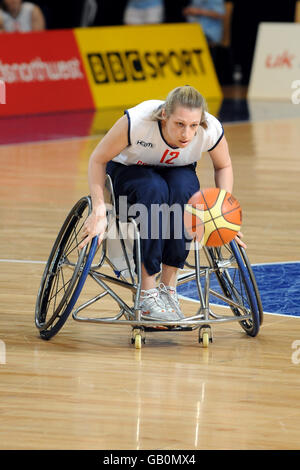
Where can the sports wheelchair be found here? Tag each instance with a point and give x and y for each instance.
(225, 279)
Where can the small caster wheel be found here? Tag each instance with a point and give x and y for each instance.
(205, 340)
(138, 338)
(138, 341)
(205, 336)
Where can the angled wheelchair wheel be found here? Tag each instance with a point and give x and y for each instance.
(65, 272)
(237, 281)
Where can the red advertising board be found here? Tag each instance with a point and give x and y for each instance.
(42, 73)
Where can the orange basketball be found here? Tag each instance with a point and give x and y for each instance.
(213, 216)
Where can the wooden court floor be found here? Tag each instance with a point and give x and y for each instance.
(88, 388)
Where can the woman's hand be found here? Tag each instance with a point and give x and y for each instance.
(238, 237)
(93, 226)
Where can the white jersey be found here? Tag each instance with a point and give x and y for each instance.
(147, 145)
(23, 22)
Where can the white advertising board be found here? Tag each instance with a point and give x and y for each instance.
(275, 70)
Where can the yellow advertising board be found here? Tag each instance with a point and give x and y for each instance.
(129, 64)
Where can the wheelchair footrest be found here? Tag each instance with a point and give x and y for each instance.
(167, 328)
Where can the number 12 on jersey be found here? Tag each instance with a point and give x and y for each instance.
(169, 154)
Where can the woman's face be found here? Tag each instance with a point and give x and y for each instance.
(180, 127)
(13, 6)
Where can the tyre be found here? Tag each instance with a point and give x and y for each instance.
(65, 272)
(237, 282)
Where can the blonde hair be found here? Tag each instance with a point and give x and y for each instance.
(185, 96)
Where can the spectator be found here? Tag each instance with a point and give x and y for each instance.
(144, 12)
(210, 14)
(18, 16)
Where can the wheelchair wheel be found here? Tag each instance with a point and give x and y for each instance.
(237, 281)
(65, 272)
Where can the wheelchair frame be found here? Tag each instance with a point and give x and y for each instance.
(239, 290)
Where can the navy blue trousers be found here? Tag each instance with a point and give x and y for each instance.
(150, 192)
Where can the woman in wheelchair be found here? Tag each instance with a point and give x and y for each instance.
(151, 154)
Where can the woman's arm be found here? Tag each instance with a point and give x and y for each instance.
(222, 165)
(38, 20)
(195, 11)
(1, 22)
(224, 173)
(109, 147)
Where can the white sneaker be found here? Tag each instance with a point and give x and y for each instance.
(170, 299)
(153, 308)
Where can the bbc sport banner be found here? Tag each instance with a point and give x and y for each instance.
(275, 71)
(128, 64)
(101, 68)
(42, 73)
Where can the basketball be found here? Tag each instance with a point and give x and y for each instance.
(213, 216)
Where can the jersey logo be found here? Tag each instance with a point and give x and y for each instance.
(145, 144)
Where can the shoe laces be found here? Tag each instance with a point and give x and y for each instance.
(171, 294)
(152, 295)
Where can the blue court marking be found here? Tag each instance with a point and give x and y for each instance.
(278, 283)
